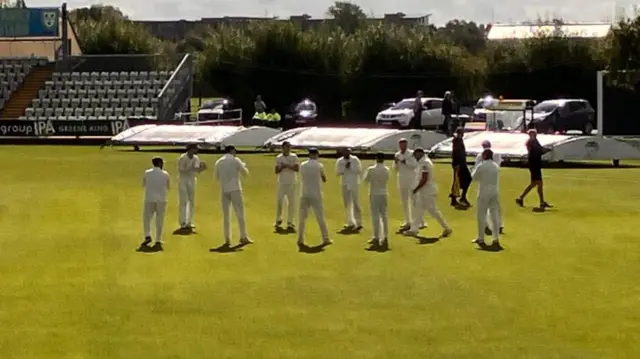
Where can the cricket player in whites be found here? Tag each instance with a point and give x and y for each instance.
(156, 183)
(405, 165)
(377, 176)
(312, 177)
(349, 168)
(487, 175)
(424, 196)
(486, 145)
(228, 170)
(286, 169)
(189, 166)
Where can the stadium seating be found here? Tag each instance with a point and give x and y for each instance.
(13, 72)
(98, 96)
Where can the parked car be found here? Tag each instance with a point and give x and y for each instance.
(219, 112)
(501, 114)
(562, 115)
(401, 113)
(303, 113)
(483, 107)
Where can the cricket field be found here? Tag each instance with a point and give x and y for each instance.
(567, 285)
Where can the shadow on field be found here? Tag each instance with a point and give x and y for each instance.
(461, 207)
(493, 248)
(226, 248)
(377, 248)
(284, 231)
(348, 231)
(427, 240)
(311, 249)
(543, 210)
(184, 232)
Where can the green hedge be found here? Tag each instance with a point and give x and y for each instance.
(372, 64)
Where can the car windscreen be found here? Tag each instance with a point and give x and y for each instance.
(403, 105)
(545, 107)
(306, 106)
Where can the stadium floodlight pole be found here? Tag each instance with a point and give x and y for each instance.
(599, 102)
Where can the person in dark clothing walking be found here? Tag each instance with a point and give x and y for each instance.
(448, 109)
(535, 152)
(416, 121)
(461, 174)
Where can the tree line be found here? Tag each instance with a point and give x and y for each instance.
(350, 66)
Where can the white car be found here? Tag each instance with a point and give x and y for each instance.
(498, 113)
(401, 113)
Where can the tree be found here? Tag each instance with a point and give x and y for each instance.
(468, 35)
(115, 36)
(96, 13)
(348, 16)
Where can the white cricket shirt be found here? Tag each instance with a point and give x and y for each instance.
(156, 184)
(487, 175)
(188, 167)
(378, 177)
(407, 170)
(350, 176)
(287, 176)
(311, 172)
(496, 158)
(426, 166)
(229, 169)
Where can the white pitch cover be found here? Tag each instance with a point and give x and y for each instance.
(182, 134)
(507, 144)
(179, 134)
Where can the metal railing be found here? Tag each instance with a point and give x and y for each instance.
(175, 94)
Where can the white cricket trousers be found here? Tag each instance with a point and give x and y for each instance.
(186, 201)
(406, 199)
(491, 203)
(379, 216)
(351, 201)
(150, 210)
(315, 204)
(426, 203)
(233, 198)
(285, 191)
(500, 222)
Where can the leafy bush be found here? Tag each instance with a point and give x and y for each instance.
(349, 60)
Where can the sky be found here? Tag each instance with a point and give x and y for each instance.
(483, 11)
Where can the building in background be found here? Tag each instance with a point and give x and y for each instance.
(519, 32)
(177, 30)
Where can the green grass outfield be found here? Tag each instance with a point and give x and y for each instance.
(71, 285)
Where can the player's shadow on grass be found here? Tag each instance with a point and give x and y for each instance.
(543, 210)
(284, 231)
(490, 248)
(378, 249)
(226, 248)
(311, 249)
(184, 232)
(461, 207)
(424, 240)
(427, 240)
(348, 231)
